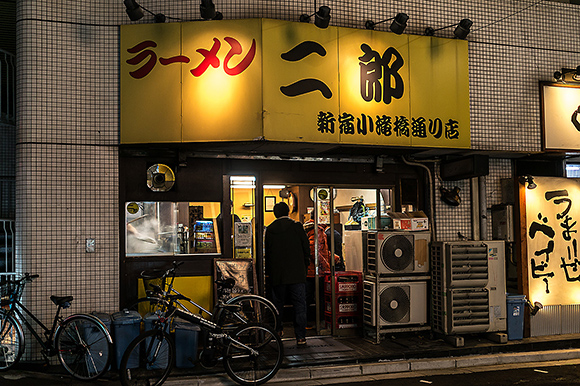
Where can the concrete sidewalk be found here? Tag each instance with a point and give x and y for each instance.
(313, 373)
(326, 359)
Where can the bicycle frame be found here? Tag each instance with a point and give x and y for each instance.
(16, 308)
(213, 328)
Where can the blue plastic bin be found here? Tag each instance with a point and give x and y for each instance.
(89, 334)
(163, 354)
(515, 316)
(186, 337)
(126, 327)
(148, 320)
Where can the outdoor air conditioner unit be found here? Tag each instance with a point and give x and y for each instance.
(393, 304)
(397, 252)
(468, 287)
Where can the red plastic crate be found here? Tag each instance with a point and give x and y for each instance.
(342, 322)
(344, 303)
(345, 282)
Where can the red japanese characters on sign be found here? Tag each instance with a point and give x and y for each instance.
(147, 58)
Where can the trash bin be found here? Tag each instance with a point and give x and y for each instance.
(126, 327)
(186, 337)
(148, 321)
(91, 335)
(515, 316)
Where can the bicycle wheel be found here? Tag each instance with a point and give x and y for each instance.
(148, 359)
(254, 309)
(11, 341)
(146, 305)
(259, 360)
(84, 346)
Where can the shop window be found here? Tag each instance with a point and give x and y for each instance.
(573, 170)
(171, 228)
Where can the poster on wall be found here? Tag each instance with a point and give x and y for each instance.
(552, 213)
(560, 116)
(241, 272)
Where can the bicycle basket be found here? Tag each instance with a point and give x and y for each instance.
(155, 277)
(9, 288)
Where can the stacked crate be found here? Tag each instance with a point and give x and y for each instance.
(348, 300)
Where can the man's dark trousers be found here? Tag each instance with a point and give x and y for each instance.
(297, 294)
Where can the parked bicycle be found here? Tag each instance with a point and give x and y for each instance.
(81, 342)
(252, 308)
(251, 354)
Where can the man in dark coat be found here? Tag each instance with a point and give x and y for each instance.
(287, 255)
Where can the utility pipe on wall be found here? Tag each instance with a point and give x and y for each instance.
(431, 200)
(475, 224)
(482, 208)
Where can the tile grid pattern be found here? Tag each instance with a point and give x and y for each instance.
(67, 188)
(7, 171)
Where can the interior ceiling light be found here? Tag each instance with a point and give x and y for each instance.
(321, 17)
(461, 31)
(397, 26)
(567, 75)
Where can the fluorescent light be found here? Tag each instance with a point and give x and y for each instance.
(274, 186)
(242, 178)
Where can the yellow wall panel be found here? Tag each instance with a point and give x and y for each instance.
(222, 103)
(300, 81)
(439, 88)
(374, 95)
(150, 90)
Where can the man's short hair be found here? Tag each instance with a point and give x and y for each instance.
(281, 209)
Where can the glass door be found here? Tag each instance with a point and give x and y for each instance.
(243, 193)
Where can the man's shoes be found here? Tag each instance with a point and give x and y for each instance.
(301, 342)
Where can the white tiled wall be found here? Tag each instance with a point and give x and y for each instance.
(67, 182)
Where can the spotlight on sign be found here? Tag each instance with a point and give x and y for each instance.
(321, 17)
(397, 26)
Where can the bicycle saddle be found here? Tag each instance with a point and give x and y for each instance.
(61, 300)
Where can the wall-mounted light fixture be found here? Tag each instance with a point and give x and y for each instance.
(321, 17)
(208, 12)
(567, 75)
(450, 197)
(529, 180)
(135, 12)
(534, 307)
(397, 26)
(461, 31)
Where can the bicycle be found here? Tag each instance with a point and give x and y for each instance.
(253, 308)
(252, 354)
(81, 342)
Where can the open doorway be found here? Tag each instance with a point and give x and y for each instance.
(336, 220)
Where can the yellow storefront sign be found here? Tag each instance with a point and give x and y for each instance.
(240, 80)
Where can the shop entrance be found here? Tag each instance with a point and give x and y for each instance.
(336, 220)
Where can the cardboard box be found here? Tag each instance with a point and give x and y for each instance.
(411, 221)
(419, 221)
(400, 220)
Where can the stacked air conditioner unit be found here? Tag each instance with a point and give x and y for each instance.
(468, 287)
(395, 285)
